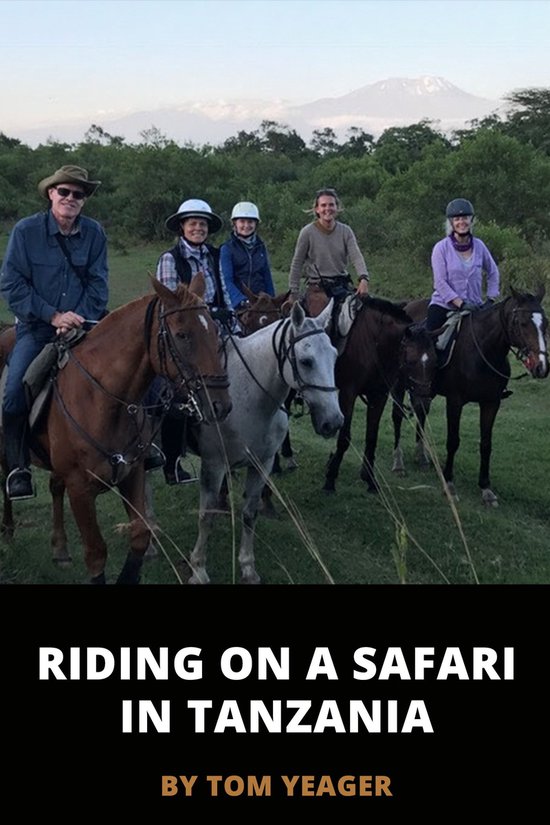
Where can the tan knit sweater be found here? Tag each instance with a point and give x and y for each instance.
(321, 254)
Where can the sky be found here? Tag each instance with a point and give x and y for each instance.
(63, 60)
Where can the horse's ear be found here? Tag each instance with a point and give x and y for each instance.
(279, 300)
(166, 295)
(286, 309)
(248, 292)
(297, 314)
(325, 316)
(198, 285)
(514, 293)
(540, 293)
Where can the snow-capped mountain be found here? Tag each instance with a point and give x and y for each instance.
(374, 108)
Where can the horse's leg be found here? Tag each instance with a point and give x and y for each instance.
(150, 517)
(267, 508)
(375, 408)
(212, 476)
(82, 501)
(487, 415)
(342, 443)
(8, 524)
(421, 409)
(397, 415)
(132, 489)
(252, 493)
(60, 554)
(454, 413)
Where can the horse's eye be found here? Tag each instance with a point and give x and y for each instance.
(306, 363)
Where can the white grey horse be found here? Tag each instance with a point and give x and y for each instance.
(295, 353)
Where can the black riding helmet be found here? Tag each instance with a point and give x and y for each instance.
(459, 207)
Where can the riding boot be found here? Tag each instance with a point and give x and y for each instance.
(172, 435)
(19, 481)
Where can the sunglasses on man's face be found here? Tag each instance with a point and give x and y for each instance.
(64, 193)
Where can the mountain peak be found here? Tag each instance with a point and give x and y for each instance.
(396, 101)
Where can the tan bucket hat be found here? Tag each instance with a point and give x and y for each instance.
(69, 174)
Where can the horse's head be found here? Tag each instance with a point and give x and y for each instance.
(418, 364)
(262, 310)
(188, 349)
(308, 361)
(527, 326)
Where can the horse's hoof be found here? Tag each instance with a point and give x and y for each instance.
(488, 498)
(151, 552)
(63, 563)
(99, 579)
(451, 491)
(329, 488)
(291, 464)
(199, 578)
(251, 578)
(399, 471)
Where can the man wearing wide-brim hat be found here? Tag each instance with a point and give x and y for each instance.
(54, 278)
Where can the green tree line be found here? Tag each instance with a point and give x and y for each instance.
(394, 189)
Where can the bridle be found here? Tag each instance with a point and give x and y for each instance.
(421, 389)
(190, 382)
(285, 350)
(521, 350)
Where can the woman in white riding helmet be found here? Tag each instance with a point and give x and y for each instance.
(193, 222)
(243, 257)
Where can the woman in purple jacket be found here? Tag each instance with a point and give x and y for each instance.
(458, 264)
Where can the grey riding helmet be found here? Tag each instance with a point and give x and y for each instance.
(459, 207)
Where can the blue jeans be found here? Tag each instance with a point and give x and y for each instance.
(29, 343)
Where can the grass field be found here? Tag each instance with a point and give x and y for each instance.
(409, 533)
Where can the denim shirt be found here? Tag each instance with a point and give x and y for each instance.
(37, 280)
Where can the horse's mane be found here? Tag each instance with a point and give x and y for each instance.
(386, 307)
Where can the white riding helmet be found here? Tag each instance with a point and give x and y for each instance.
(193, 208)
(245, 209)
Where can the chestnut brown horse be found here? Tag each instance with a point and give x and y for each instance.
(95, 433)
(479, 370)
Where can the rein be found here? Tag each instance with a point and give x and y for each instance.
(288, 353)
(192, 384)
(514, 349)
(284, 353)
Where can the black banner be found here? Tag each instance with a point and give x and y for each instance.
(367, 700)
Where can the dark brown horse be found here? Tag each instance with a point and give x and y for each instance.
(479, 370)
(95, 433)
(383, 347)
(262, 310)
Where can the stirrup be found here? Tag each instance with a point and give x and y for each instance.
(179, 476)
(154, 458)
(19, 484)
